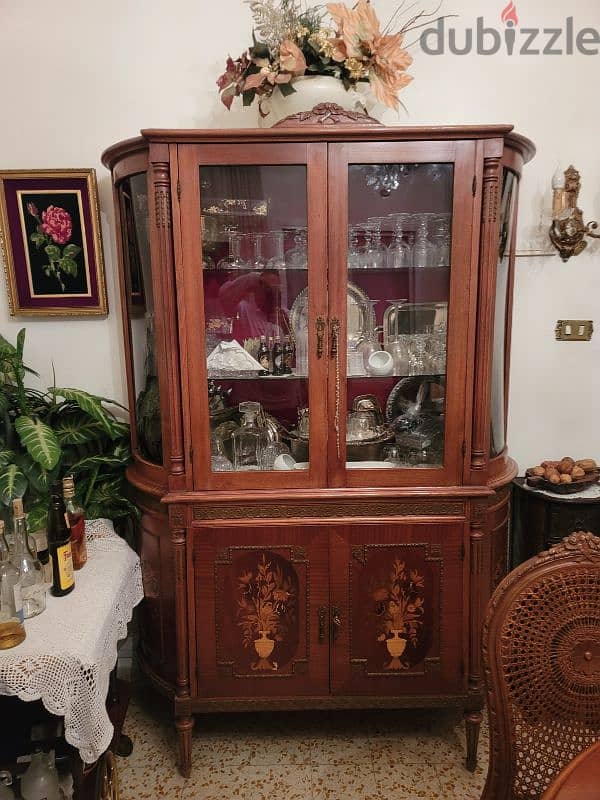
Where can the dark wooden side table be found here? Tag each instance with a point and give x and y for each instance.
(541, 520)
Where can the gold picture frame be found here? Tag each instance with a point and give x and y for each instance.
(51, 243)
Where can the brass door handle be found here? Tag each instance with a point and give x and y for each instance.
(320, 336)
(321, 615)
(336, 622)
(335, 330)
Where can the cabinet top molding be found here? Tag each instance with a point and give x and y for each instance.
(312, 130)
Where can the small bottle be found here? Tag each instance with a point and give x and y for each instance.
(59, 544)
(76, 518)
(288, 354)
(263, 356)
(40, 782)
(271, 345)
(33, 585)
(278, 365)
(12, 631)
(6, 793)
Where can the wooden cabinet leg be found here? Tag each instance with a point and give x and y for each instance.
(473, 721)
(184, 727)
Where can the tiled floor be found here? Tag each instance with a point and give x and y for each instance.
(374, 755)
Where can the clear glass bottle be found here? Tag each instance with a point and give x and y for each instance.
(12, 631)
(76, 516)
(33, 585)
(40, 782)
(6, 793)
(249, 440)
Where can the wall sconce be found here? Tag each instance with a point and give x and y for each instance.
(568, 230)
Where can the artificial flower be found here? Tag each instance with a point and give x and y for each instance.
(291, 58)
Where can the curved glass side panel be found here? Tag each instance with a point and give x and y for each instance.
(498, 406)
(135, 226)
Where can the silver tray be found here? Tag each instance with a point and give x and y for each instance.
(356, 313)
(404, 396)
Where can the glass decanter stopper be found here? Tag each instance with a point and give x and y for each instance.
(249, 440)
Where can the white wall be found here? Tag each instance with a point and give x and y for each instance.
(76, 77)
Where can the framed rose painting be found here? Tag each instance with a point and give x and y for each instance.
(52, 242)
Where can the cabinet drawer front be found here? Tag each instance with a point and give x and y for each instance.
(259, 620)
(400, 591)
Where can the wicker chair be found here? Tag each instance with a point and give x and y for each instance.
(541, 652)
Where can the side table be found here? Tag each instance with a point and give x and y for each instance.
(541, 519)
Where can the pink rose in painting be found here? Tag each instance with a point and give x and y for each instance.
(56, 223)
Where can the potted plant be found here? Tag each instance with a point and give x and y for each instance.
(47, 434)
(339, 55)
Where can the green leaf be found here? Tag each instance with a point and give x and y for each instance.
(40, 441)
(40, 479)
(20, 343)
(69, 266)
(52, 251)
(4, 403)
(37, 514)
(38, 239)
(248, 97)
(90, 404)
(78, 429)
(13, 483)
(103, 461)
(286, 89)
(6, 457)
(71, 250)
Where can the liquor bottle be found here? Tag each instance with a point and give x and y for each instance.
(263, 356)
(278, 365)
(288, 354)
(271, 345)
(76, 518)
(59, 544)
(12, 631)
(40, 539)
(40, 782)
(33, 586)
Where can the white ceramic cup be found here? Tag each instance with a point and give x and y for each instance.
(380, 363)
(284, 461)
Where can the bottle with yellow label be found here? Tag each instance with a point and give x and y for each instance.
(59, 544)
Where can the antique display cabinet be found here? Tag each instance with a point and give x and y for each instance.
(317, 336)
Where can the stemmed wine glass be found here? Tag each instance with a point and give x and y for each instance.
(440, 236)
(297, 256)
(399, 253)
(278, 260)
(234, 260)
(423, 250)
(259, 261)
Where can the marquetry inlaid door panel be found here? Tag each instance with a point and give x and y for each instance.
(398, 590)
(261, 606)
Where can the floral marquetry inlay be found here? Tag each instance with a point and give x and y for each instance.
(399, 605)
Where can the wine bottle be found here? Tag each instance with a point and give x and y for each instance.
(12, 631)
(59, 544)
(33, 585)
(278, 365)
(263, 356)
(76, 519)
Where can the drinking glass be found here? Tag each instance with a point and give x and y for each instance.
(423, 250)
(234, 260)
(440, 237)
(268, 454)
(399, 253)
(278, 260)
(353, 249)
(297, 256)
(392, 454)
(377, 252)
(259, 261)
(417, 355)
(370, 340)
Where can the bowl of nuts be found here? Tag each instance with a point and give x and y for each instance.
(566, 476)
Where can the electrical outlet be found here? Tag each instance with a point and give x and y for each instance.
(574, 330)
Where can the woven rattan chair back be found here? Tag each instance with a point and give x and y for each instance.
(541, 652)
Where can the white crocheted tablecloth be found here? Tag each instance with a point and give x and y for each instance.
(71, 648)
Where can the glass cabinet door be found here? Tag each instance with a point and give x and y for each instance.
(263, 306)
(144, 395)
(400, 260)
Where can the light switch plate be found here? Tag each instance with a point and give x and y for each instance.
(574, 330)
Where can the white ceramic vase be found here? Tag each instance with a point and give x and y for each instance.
(310, 91)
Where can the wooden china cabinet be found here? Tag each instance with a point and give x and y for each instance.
(326, 536)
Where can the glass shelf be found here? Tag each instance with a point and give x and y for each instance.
(268, 378)
(257, 270)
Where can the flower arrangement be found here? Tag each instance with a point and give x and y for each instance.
(54, 228)
(341, 42)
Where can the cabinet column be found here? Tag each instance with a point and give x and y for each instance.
(488, 258)
(184, 721)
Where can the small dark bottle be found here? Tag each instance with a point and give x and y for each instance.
(59, 544)
(263, 356)
(278, 365)
(288, 354)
